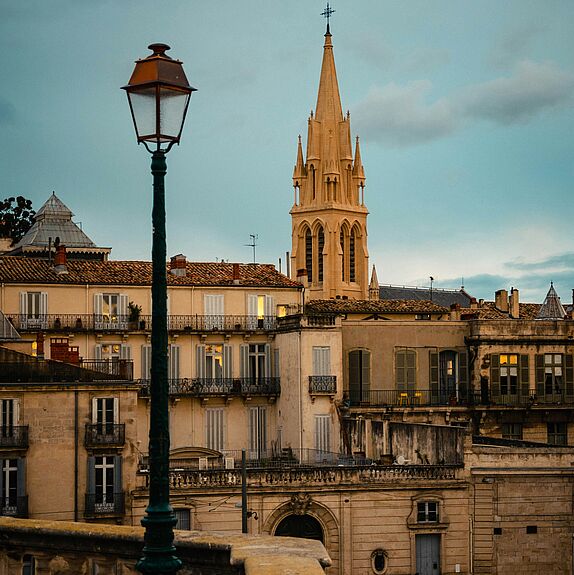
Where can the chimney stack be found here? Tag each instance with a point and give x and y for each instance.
(178, 265)
(455, 311)
(60, 260)
(501, 300)
(236, 274)
(514, 304)
(302, 276)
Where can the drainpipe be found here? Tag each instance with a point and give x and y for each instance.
(76, 454)
(300, 398)
(243, 492)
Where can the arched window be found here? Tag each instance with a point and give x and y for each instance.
(309, 255)
(320, 246)
(352, 274)
(359, 376)
(342, 242)
(300, 526)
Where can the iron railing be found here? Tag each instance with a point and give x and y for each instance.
(121, 323)
(323, 384)
(214, 387)
(98, 504)
(520, 400)
(14, 436)
(14, 506)
(105, 435)
(401, 398)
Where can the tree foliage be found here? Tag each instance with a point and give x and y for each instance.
(16, 218)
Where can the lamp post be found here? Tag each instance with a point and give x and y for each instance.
(158, 94)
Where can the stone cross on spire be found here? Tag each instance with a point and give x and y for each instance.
(327, 14)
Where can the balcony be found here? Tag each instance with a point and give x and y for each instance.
(176, 323)
(104, 504)
(105, 435)
(485, 398)
(410, 398)
(14, 506)
(225, 387)
(322, 384)
(14, 436)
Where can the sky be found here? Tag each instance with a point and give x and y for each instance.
(465, 110)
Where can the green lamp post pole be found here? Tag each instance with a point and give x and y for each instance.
(159, 94)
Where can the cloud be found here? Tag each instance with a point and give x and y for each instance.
(400, 115)
(403, 115)
(533, 88)
(560, 262)
(515, 44)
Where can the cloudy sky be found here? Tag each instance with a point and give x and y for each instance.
(465, 111)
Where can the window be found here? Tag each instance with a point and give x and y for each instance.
(352, 256)
(508, 374)
(213, 361)
(427, 512)
(257, 361)
(257, 432)
(33, 309)
(214, 306)
(322, 436)
(12, 487)
(379, 561)
(9, 409)
(28, 565)
(359, 375)
(554, 376)
(309, 254)
(321, 360)
(405, 370)
(557, 433)
(214, 428)
(261, 311)
(342, 242)
(183, 518)
(423, 316)
(320, 246)
(111, 311)
(512, 430)
(104, 414)
(104, 490)
(552, 373)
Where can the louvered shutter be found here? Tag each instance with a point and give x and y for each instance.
(24, 309)
(173, 364)
(125, 351)
(434, 377)
(495, 377)
(524, 379)
(200, 361)
(227, 362)
(400, 370)
(355, 376)
(146, 362)
(123, 311)
(269, 312)
(118, 487)
(98, 352)
(366, 374)
(322, 435)
(98, 307)
(91, 475)
(21, 477)
(569, 375)
(411, 363)
(276, 367)
(463, 376)
(43, 310)
(267, 360)
(539, 363)
(244, 363)
(251, 311)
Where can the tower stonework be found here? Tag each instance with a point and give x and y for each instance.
(329, 217)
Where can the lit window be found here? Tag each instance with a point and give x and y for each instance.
(508, 374)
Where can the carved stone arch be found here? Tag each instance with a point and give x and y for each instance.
(317, 223)
(304, 504)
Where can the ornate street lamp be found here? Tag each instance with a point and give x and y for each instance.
(158, 94)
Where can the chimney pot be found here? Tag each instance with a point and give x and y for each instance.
(236, 274)
(60, 260)
(178, 265)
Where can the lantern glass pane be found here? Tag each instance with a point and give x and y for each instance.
(172, 111)
(143, 107)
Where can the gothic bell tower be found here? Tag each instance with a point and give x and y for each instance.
(329, 218)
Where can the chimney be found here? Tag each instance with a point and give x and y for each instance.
(501, 300)
(473, 304)
(455, 311)
(60, 260)
(236, 274)
(514, 304)
(302, 276)
(178, 265)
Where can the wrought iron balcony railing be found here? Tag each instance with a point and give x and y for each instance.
(485, 397)
(14, 436)
(98, 504)
(105, 435)
(214, 387)
(323, 384)
(13, 506)
(401, 398)
(122, 323)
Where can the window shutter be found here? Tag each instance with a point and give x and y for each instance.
(98, 307)
(21, 477)
(276, 367)
(317, 361)
(91, 474)
(123, 309)
(227, 361)
(366, 372)
(43, 303)
(411, 361)
(539, 364)
(125, 351)
(252, 305)
(433, 376)
(118, 487)
(116, 410)
(24, 303)
(495, 375)
(354, 375)
(146, 362)
(173, 365)
(524, 382)
(400, 370)
(322, 434)
(200, 361)
(98, 351)
(2, 495)
(270, 311)
(463, 375)
(244, 356)
(94, 410)
(252, 432)
(569, 374)
(267, 360)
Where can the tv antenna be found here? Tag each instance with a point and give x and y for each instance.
(253, 244)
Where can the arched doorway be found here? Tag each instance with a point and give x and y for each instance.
(300, 526)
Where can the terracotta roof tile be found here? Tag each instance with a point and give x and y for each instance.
(15, 269)
(374, 306)
(488, 310)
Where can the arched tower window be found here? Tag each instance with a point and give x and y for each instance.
(309, 255)
(320, 246)
(342, 242)
(352, 267)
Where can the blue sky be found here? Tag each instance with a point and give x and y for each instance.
(465, 112)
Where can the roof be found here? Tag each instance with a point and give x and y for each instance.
(54, 220)
(373, 306)
(488, 310)
(443, 297)
(552, 307)
(19, 270)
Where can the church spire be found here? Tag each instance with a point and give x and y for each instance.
(328, 99)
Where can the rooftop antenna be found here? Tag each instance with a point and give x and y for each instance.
(327, 14)
(431, 280)
(253, 244)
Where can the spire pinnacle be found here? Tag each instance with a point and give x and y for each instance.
(327, 14)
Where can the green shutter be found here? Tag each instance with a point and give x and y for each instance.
(463, 375)
(366, 374)
(400, 361)
(569, 374)
(91, 482)
(354, 375)
(411, 358)
(495, 377)
(523, 374)
(540, 376)
(434, 373)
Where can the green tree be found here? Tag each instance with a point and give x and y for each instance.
(16, 218)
